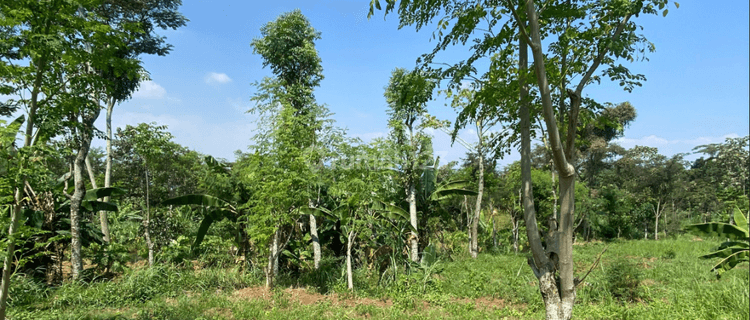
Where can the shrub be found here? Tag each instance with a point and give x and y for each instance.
(624, 280)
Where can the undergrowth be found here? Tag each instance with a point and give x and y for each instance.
(634, 280)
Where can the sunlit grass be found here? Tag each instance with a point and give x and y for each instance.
(675, 284)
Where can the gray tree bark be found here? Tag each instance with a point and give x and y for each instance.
(76, 199)
(414, 241)
(474, 246)
(315, 241)
(349, 277)
(147, 225)
(108, 170)
(273, 266)
(16, 215)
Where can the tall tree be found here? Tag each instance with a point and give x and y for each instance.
(286, 103)
(407, 95)
(589, 34)
(148, 16)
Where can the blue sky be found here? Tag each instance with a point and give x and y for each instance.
(696, 93)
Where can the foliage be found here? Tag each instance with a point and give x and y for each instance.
(624, 280)
(733, 251)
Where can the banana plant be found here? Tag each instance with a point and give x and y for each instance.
(215, 209)
(735, 249)
(348, 215)
(431, 191)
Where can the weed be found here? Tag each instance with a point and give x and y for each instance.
(624, 280)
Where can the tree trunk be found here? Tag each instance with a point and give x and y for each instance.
(90, 172)
(349, 244)
(16, 215)
(314, 235)
(273, 269)
(315, 241)
(515, 222)
(17, 212)
(657, 214)
(558, 303)
(76, 199)
(474, 246)
(147, 225)
(412, 198)
(494, 233)
(108, 170)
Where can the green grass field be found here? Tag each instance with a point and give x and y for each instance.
(635, 280)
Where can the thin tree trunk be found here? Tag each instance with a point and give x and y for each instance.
(273, 269)
(657, 214)
(90, 172)
(474, 246)
(314, 235)
(76, 258)
(494, 233)
(412, 198)
(147, 225)
(17, 212)
(16, 215)
(108, 170)
(315, 241)
(349, 277)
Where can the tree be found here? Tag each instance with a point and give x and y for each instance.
(483, 107)
(72, 47)
(147, 15)
(589, 34)
(286, 104)
(150, 144)
(407, 95)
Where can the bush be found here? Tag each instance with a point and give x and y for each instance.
(25, 290)
(624, 280)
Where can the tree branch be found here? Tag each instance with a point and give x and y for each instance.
(521, 27)
(578, 282)
(601, 55)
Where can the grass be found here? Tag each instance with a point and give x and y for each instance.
(674, 284)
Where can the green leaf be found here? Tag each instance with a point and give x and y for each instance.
(94, 206)
(444, 194)
(664, 13)
(731, 261)
(198, 199)
(725, 252)
(391, 211)
(719, 229)
(739, 219)
(202, 230)
(677, 5)
(12, 129)
(98, 193)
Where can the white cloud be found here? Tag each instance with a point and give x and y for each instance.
(656, 141)
(192, 131)
(213, 77)
(150, 90)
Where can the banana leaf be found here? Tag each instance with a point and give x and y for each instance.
(216, 209)
(739, 219)
(202, 230)
(98, 193)
(718, 229)
(731, 261)
(200, 200)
